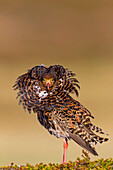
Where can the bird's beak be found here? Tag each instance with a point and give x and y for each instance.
(48, 84)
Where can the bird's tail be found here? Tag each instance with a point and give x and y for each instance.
(86, 138)
(83, 143)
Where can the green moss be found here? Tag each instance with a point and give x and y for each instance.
(79, 164)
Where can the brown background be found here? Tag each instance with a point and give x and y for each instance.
(75, 34)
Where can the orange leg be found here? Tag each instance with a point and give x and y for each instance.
(65, 145)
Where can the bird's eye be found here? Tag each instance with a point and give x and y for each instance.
(52, 80)
(44, 80)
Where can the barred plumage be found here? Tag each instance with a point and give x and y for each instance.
(46, 91)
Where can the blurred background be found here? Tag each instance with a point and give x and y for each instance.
(75, 34)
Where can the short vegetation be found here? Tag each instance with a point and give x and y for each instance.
(79, 164)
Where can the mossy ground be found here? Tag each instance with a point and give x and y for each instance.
(79, 164)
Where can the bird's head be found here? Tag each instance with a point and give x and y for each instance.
(48, 81)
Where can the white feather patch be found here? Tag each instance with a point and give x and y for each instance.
(61, 82)
(42, 94)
